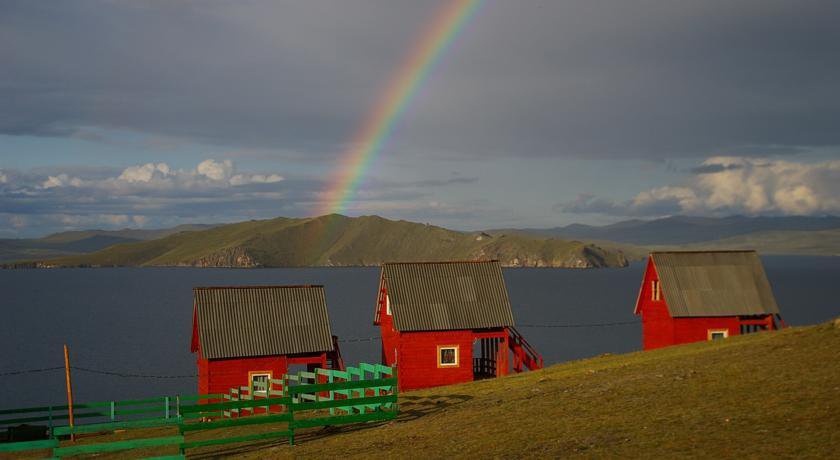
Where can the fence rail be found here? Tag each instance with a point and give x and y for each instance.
(484, 366)
(323, 397)
(120, 414)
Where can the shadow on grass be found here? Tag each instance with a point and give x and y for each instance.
(414, 407)
(411, 408)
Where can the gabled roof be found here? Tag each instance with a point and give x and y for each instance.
(434, 296)
(714, 283)
(235, 322)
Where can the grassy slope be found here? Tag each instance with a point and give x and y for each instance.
(126, 233)
(630, 251)
(339, 240)
(763, 395)
(816, 243)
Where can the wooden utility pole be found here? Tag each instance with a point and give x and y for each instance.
(69, 391)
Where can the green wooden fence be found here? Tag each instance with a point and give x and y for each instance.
(101, 416)
(324, 397)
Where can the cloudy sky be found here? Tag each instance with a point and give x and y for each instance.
(150, 114)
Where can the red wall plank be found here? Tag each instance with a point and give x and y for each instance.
(657, 324)
(418, 360)
(220, 375)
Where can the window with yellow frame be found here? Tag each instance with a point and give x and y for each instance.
(259, 382)
(448, 356)
(717, 334)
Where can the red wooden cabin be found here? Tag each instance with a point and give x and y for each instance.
(448, 322)
(254, 333)
(690, 296)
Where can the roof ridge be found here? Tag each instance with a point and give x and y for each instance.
(258, 286)
(443, 262)
(698, 251)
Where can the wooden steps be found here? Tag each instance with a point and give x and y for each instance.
(524, 354)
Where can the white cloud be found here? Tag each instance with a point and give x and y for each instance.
(208, 174)
(144, 195)
(729, 185)
(684, 197)
(760, 186)
(145, 173)
(215, 170)
(244, 179)
(61, 180)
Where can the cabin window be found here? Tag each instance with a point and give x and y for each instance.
(715, 334)
(259, 382)
(447, 355)
(387, 305)
(655, 291)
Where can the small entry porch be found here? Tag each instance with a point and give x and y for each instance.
(486, 356)
(492, 351)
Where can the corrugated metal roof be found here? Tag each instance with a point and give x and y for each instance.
(262, 320)
(714, 283)
(435, 296)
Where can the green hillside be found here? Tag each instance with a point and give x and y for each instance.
(766, 395)
(135, 234)
(337, 240)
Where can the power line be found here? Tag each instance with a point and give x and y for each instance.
(360, 339)
(31, 371)
(621, 323)
(128, 375)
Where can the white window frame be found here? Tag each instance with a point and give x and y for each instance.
(457, 350)
(387, 305)
(710, 333)
(655, 290)
(251, 376)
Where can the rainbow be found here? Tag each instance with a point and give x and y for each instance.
(392, 103)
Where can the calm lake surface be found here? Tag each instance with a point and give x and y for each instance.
(138, 320)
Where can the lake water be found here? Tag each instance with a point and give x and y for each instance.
(138, 320)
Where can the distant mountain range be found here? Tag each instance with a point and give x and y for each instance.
(336, 240)
(784, 242)
(81, 242)
(683, 230)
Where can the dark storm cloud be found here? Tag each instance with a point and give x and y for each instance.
(243, 73)
(637, 79)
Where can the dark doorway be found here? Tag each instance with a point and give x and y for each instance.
(484, 358)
